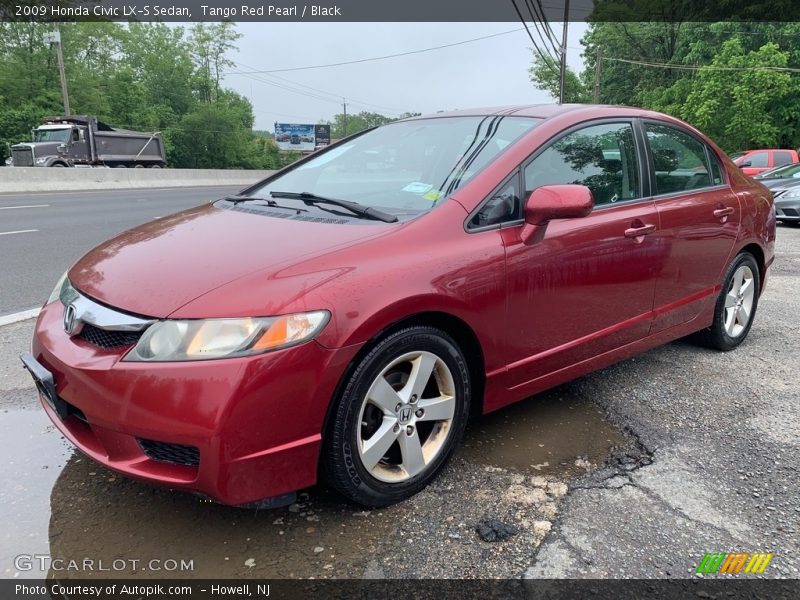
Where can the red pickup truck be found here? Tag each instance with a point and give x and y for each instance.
(753, 162)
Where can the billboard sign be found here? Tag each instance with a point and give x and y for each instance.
(322, 135)
(292, 136)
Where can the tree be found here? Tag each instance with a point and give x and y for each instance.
(210, 44)
(360, 122)
(739, 98)
(745, 108)
(544, 73)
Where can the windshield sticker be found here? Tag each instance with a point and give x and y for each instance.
(432, 195)
(417, 187)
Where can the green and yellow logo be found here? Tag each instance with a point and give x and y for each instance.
(733, 563)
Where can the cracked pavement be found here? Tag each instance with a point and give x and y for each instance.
(713, 465)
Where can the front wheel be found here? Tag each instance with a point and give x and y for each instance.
(736, 305)
(399, 417)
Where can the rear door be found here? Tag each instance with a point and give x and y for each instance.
(587, 286)
(699, 216)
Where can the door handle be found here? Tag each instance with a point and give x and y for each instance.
(723, 213)
(637, 232)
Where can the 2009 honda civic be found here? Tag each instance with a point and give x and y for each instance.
(342, 319)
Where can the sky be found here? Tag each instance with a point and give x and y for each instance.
(489, 72)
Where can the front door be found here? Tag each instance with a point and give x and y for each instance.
(587, 287)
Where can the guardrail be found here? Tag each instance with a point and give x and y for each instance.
(43, 179)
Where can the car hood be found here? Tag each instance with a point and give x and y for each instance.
(774, 183)
(160, 266)
(785, 186)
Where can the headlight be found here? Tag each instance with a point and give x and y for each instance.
(224, 338)
(56, 293)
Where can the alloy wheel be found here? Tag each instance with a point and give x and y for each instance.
(406, 417)
(739, 301)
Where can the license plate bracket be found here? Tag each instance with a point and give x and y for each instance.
(45, 384)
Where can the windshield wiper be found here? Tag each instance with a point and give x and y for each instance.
(267, 201)
(354, 207)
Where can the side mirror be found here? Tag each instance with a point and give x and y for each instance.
(745, 164)
(554, 202)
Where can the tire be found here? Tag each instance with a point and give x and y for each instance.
(730, 327)
(419, 437)
(138, 166)
(57, 165)
(155, 166)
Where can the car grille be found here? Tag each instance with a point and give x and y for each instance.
(105, 338)
(22, 157)
(790, 212)
(171, 453)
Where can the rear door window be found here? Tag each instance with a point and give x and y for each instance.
(782, 158)
(679, 159)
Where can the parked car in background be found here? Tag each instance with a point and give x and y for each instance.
(753, 162)
(787, 201)
(382, 290)
(779, 176)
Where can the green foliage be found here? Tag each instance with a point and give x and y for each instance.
(143, 76)
(545, 74)
(360, 122)
(736, 99)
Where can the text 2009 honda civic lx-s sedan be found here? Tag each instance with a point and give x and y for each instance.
(342, 319)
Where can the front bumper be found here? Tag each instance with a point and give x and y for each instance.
(256, 422)
(787, 209)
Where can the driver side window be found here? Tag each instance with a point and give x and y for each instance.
(601, 157)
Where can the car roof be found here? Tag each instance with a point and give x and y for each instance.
(543, 111)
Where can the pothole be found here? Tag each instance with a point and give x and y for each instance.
(554, 433)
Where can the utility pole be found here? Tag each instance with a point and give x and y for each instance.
(598, 66)
(563, 71)
(54, 37)
(344, 107)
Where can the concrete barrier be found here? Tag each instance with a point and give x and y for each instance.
(42, 179)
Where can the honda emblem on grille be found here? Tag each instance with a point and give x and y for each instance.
(71, 321)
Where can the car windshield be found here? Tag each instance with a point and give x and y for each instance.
(408, 165)
(52, 135)
(784, 171)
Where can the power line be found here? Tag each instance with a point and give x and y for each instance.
(702, 67)
(542, 24)
(374, 58)
(548, 59)
(331, 97)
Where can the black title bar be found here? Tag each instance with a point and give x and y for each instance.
(397, 10)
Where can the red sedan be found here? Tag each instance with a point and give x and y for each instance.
(343, 318)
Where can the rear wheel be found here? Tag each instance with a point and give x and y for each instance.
(399, 417)
(736, 305)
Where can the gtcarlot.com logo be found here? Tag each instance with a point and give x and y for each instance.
(734, 563)
(44, 562)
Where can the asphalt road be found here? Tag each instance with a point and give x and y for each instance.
(42, 234)
(717, 467)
